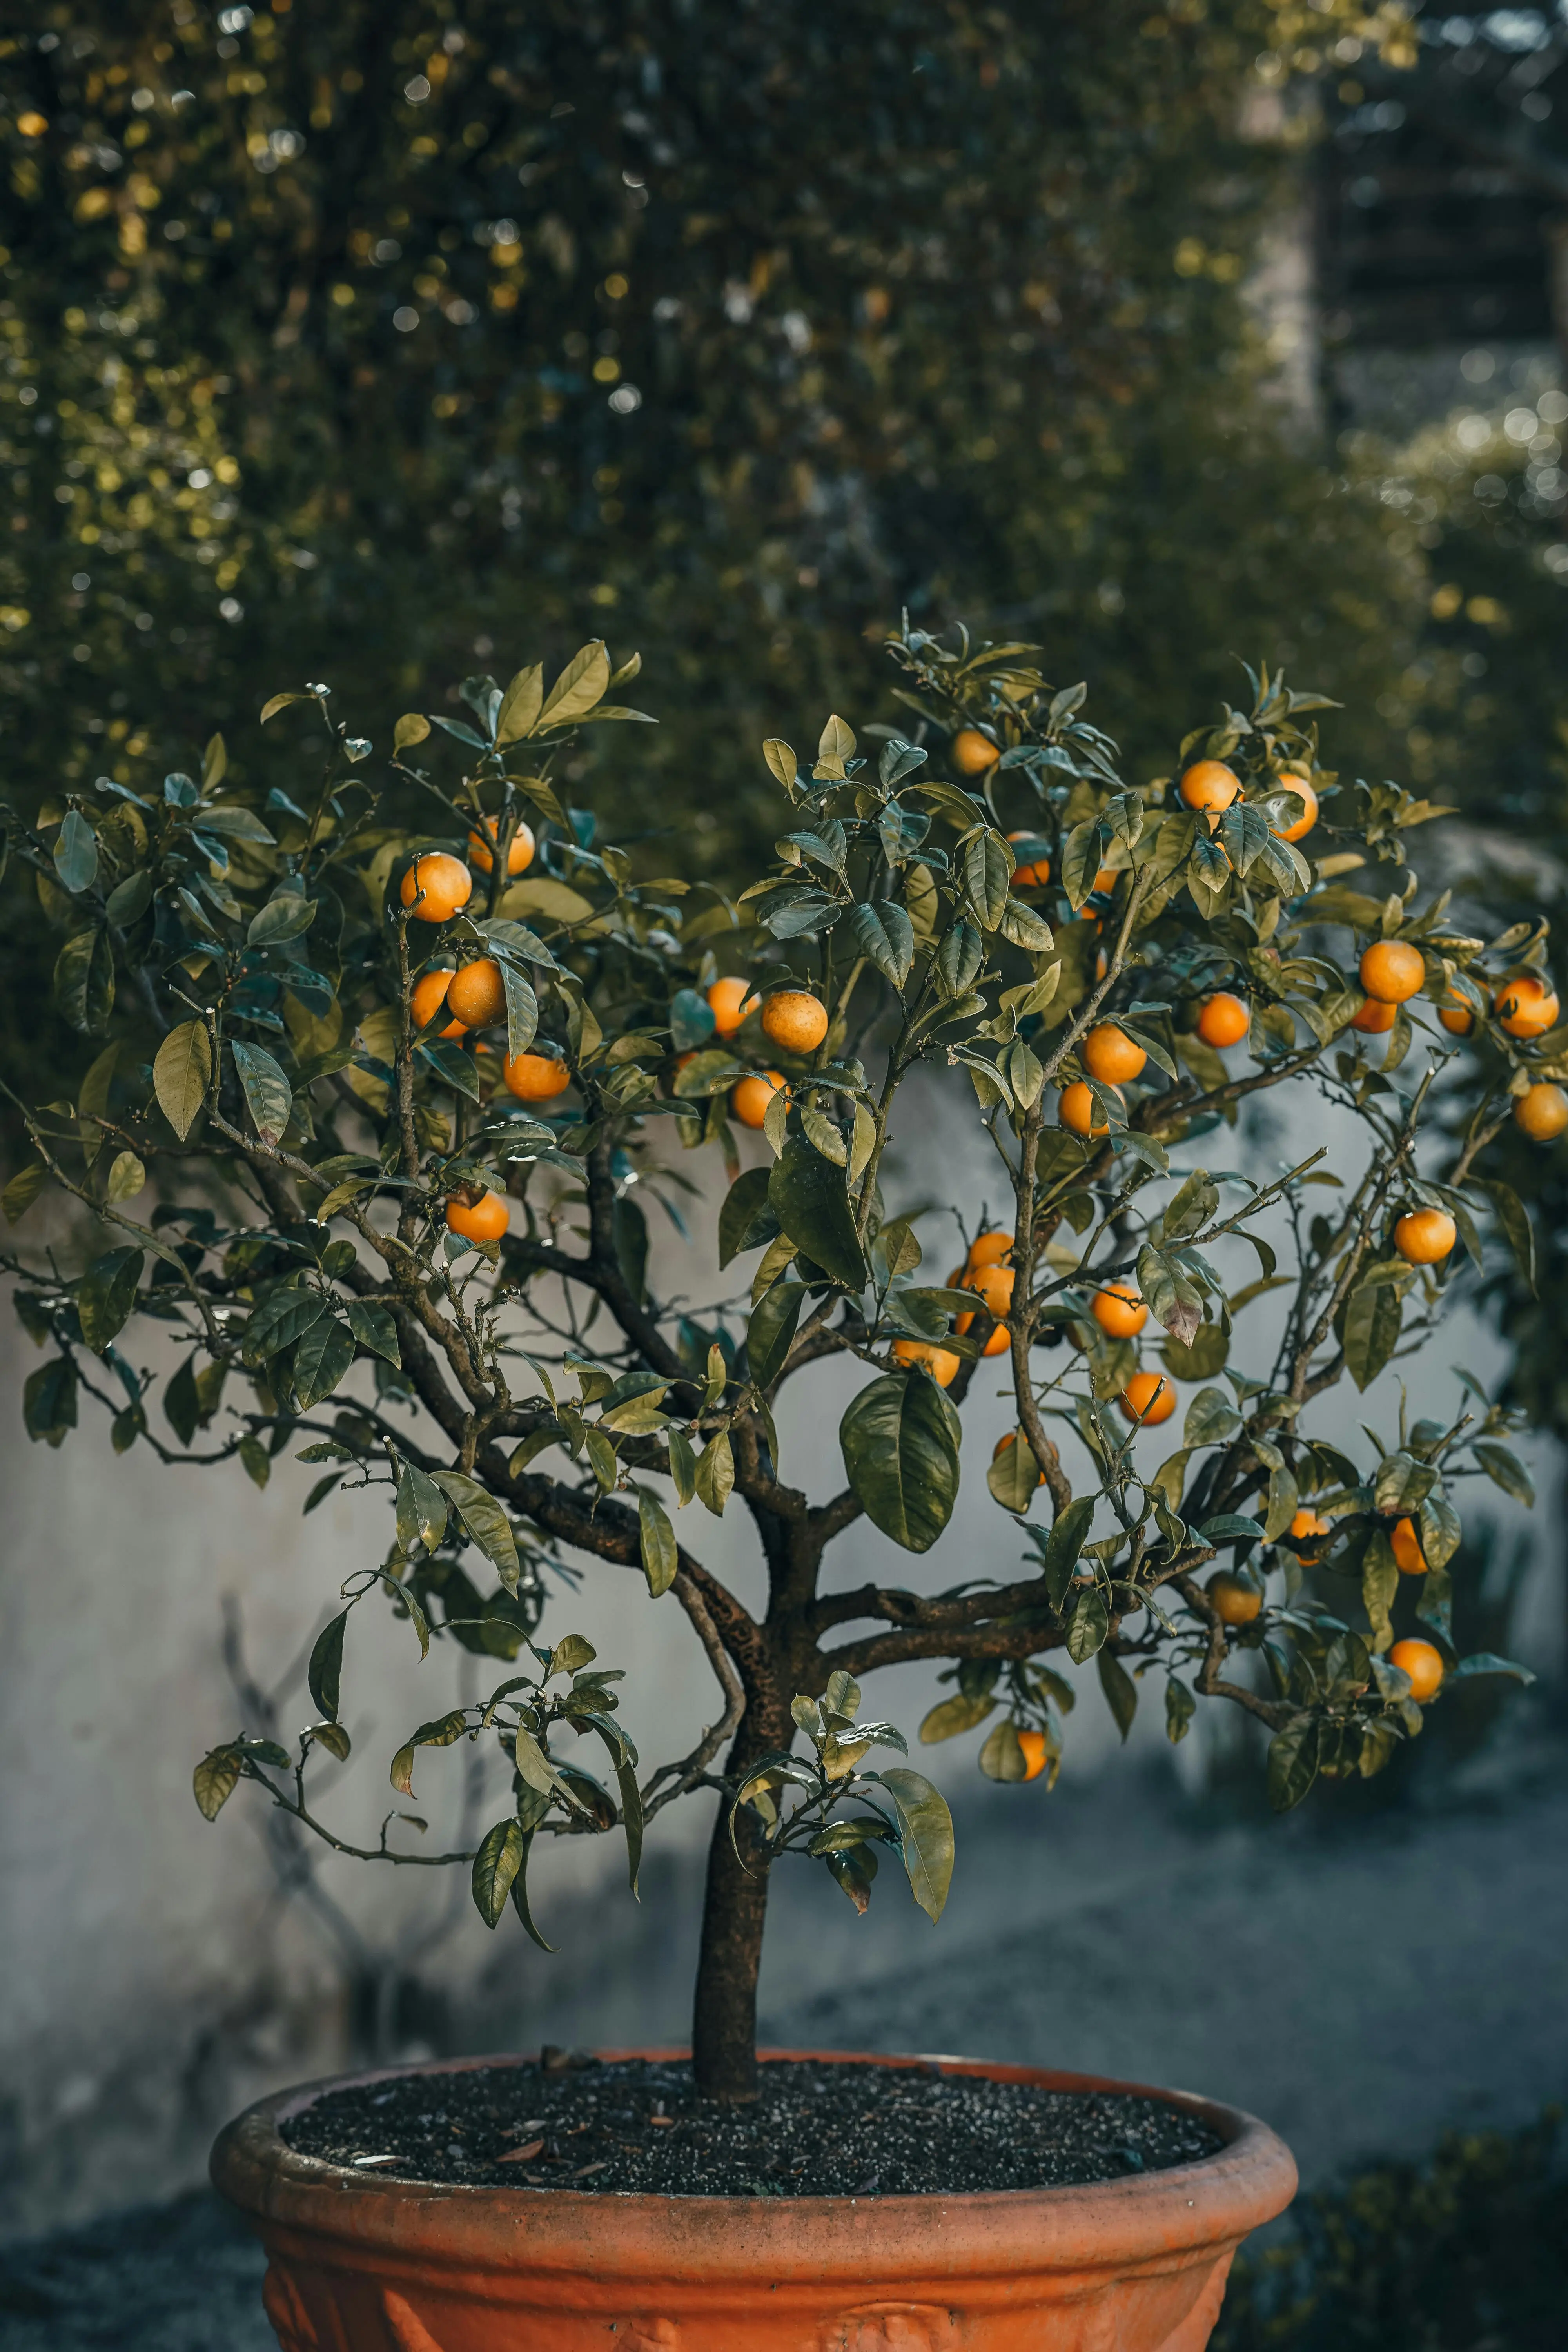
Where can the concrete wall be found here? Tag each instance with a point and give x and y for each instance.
(160, 1971)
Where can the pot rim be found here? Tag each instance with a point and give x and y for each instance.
(1141, 2217)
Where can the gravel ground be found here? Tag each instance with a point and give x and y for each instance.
(1361, 1984)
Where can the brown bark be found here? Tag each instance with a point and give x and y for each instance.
(734, 1910)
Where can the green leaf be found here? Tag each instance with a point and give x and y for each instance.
(1514, 1218)
(580, 685)
(283, 1317)
(1292, 1762)
(1063, 1546)
(106, 1296)
(883, 933)
(1374, 1313)
(277, 702)
(84, 981)
(1505, 1469)
(1379, 1584)
(660, 1557)
(255, 1460)
(76, 851)
(745, 1219)
(214, 1780)
(376, 1329)
(810, 1198)
(496, 1865)
(715, 1477)
(23, 1189)
(955, 1716)
(824, 1138)
(520, 1894)
(1089, 1624)
(181, 1074)
(521, 705)
(126, 1177)
(1120, 1691)
(129, 899)
(1023, 927)
(925, 1834)
(485, 1521)
(1081, 861)
(522, 1007)
(1014, 1476)
(1001, 1757)
(326, 1668)
(988, 872)
(771, 1331)
(1180, 1708)
(682, 1465)
(960, 957)
(625, 1764)
(899, 1438)
(1486, 1662)
(320, 1361)
(1402, 1484)
(181, 1404)
(1212, 1419)
(49, 1400)
(287, 917)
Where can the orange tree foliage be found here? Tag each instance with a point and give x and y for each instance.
(287, 1162)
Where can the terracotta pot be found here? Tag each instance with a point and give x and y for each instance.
(360, 2264)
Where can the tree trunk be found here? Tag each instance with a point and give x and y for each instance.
(734, 1909)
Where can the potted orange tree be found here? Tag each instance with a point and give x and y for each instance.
(381, 1070)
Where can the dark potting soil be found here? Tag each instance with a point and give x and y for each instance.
(817, 2131)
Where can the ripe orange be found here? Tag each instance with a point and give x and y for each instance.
(1234, 1600)
(1211, 786)
(1526, 1005)
(1457, 1013)
(1305, 1527)
(940, 1363)
(1422, 1663)
(1110, 1054)
(484, 1220)
(1223, 1019)
(1032, 1744)
(535, 1077)
(439, 883)
(1010, 1438)
(478, 994)
(795, 1020)
(520, 853)
(731, 1003)
(1392, 970)
(1149, 1398)
(1542, 1112)
(1406, 1541)
(974, 752)
(989, 1249)
(1307, 819)
(1375, 1018)
(1423, 1236)
(1075, 1109)
(752, 1096)
(1034, 872)
(1119, 1311)
(1105, 882)
(995, 1285)
(428, 996)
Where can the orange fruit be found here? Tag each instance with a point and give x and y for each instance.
(1307, 1526)
(1392, 970)
(940, 1363)
(535, 1077)
(1211, 786)
(1032, 1744)
(1119, 1311)
(1422, 1237)
(519, 852)
(428, 997)
(441, 884)
(484, 1220)
(1034, 872)
(1542, 1112)
(1422, 1663)
(478, 994)
(1235, 1601)
(1010, 1438)
(1375, 1018)
(989, 1249)
(1406, 1541)
(731, 1003)
(1223, 1019)
(795, 1020)
(1149, 1398)
(752, 1096)
(995, 1285)
(1456, 1014)
(1075, 1109)
(1110, 1054)
(1526, 1005)
(974, 752)
(1307, 819)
